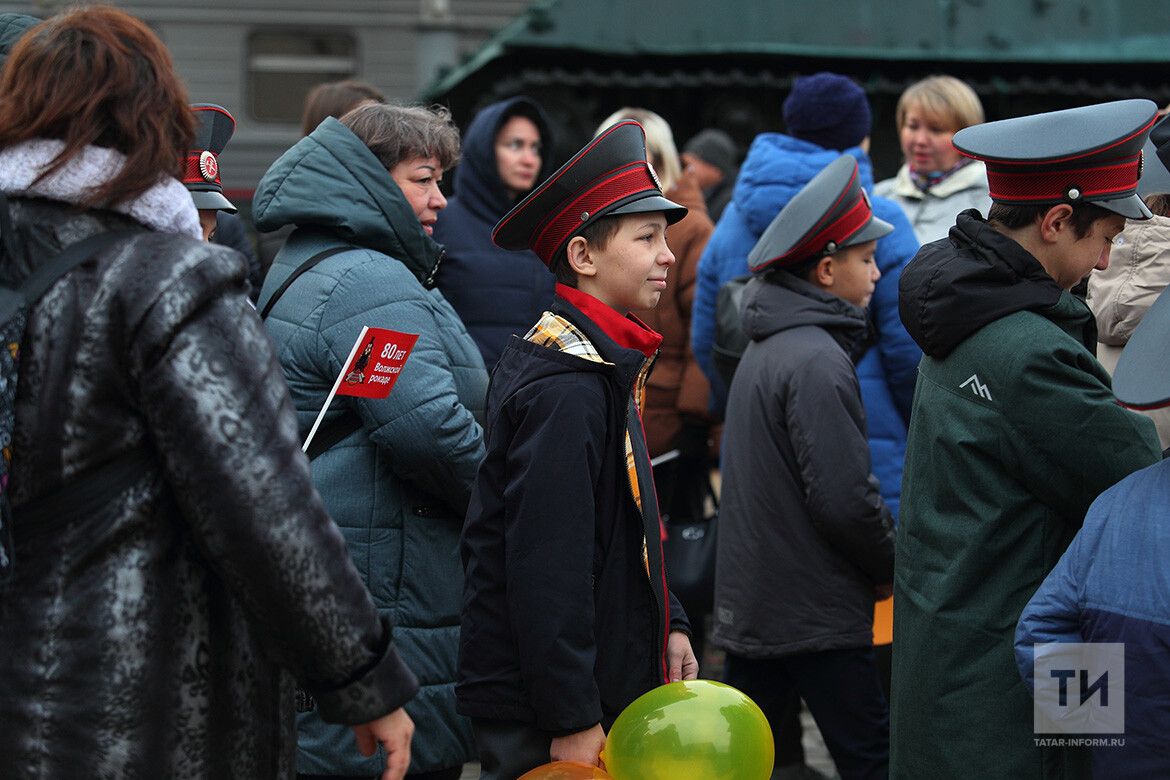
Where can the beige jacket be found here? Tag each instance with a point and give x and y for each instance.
(1139, 269)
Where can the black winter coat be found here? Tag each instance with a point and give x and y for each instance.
(803, 533)
(147, 639)
(562, 627)
(497, 293)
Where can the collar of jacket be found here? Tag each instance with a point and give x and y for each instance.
(331, 181)
(778, 300)
(628, 332)
(955, 286)
(1139, 269)
(970, 176)
(627, 362)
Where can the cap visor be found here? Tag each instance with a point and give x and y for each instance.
(1130, 207)
(672, 210)
(1142, 378)
(873, 230)
(212, 200)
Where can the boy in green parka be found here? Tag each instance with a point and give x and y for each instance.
(1014, 431)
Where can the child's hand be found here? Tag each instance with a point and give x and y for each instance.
(680, 658)
(584, 746)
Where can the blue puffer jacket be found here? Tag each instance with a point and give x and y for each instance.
(399, 485)
(496, 293)
(1110, 586)
(776, 168)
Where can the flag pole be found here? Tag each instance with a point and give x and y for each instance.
(344, 367)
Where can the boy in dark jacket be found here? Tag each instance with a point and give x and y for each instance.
(567, 617)
(806, 543)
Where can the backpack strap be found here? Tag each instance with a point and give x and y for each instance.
(305, 266)
(39, 281)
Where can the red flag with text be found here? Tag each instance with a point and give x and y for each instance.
(375, 362)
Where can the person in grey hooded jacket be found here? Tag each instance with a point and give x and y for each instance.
(805, 541)
(399, 483)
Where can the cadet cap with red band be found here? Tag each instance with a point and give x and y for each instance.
(201, 163)
(610, 176)
(1091, 154)
(831, 213)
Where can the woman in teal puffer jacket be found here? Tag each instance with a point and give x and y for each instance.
(399, 482)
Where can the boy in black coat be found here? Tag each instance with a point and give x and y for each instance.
(805, 542)
(567, 617)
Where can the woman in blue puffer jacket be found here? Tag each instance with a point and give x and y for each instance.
(398, 484)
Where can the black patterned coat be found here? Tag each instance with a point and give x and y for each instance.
(149, 639)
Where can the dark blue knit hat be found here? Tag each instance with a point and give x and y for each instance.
(829, 110)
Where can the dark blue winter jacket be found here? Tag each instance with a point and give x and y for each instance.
(495, 292)
(776, 168)
(1111, 585)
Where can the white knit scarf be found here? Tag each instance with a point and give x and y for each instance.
(166, 207)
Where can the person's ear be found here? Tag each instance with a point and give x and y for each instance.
(1055, 220)
(580, 258)
(823, 272)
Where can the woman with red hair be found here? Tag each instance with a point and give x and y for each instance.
(170, 565)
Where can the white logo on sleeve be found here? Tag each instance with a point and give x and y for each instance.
(977, 387)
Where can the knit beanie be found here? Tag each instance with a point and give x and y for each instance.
(714, 147)
(829, 110)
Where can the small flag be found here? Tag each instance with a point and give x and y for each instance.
(373, 366)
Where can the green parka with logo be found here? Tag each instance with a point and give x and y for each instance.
(1014, 432)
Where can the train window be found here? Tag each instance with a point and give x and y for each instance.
(284, 65)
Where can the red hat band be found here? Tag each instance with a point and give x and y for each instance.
(1116, 178)
(837, 232)
(201, 167)
(630, 179)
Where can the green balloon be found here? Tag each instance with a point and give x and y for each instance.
(697, 729)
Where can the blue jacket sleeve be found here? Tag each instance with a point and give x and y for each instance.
(1054, 612)
(899, 354)
(724, 258)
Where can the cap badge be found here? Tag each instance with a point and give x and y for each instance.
(653, 175)
(208, 166)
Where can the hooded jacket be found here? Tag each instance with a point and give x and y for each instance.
(776, 168)
(398, 484)
(497, 293)
(933, 212)
(1138, 272)
(1014, 432)
(1110, 587)
(804, 536)
(564, 621)
(149, 635)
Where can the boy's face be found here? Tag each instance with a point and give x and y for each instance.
(1077, 257)
(855, 273)
(630, 272)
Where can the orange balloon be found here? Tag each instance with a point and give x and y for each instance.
(566, 770)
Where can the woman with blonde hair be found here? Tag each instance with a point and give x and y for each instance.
(935, 182)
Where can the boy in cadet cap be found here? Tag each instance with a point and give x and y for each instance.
(201, 165)
(806, 543)
(1014, 432)
(217, 214)
(567, 617)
